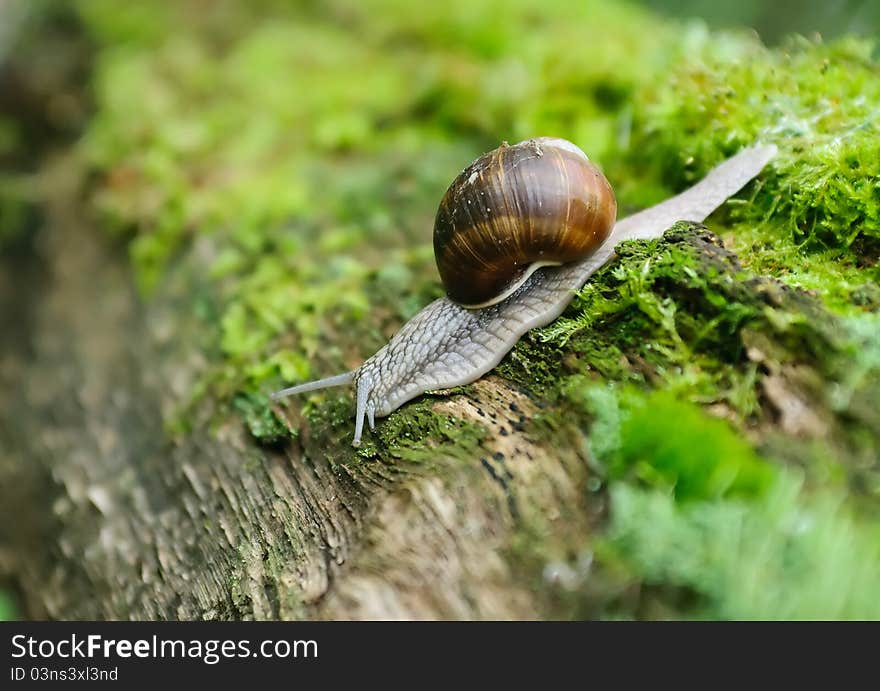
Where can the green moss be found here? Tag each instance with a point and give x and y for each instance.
(665, 443)
(10, 136)
(669, 311)
(813, 219)
(844, 280)
(16, 208)
(817, 101)
(415, 435)
(263, 424)
(703, 459)
(678, 312)
(701, 525)
(418, 434)
(785, 556)
(535, 366)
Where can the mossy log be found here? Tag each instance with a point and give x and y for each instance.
(697, 435)
(108, 520)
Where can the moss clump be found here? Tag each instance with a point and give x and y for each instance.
(702, 459)
(535, 366)
(658, 441)
(818, 102)
(17, 211)
(263, 424)
(785, 556)
(681, 313)
(418, 434)
(415, 435)
(814, 220)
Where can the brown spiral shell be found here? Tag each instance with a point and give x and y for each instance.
(537, 203)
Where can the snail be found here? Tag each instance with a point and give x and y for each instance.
(517, 234)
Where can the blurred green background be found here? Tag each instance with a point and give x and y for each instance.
(7, 607)
(775, 19)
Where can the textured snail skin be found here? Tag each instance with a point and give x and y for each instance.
(446, 345)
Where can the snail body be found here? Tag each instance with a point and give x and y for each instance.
(448, 344)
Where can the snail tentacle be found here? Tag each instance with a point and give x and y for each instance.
(446, 345)
(325, 383)
(364, 405)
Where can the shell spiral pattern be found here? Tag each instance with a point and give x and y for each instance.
(537, 203)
